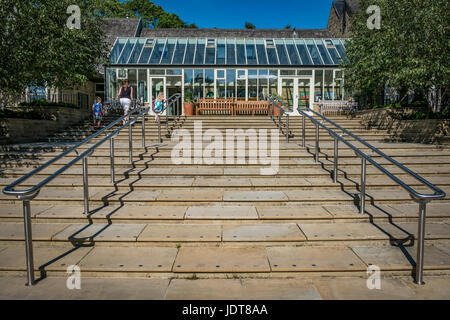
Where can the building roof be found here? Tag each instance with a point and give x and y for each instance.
(121, 27)
(235, 33)
(227, 51)
(354, 6)
(339, 7)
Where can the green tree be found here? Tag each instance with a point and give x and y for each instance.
(153, 16)
(249, 25)
(38, 48)
(288, 26)
(409, 52)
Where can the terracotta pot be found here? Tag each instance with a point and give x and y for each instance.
(188, 108)
(276, 111)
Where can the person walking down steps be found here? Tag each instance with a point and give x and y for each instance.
(158, 105)
(125, 96)
(97, 110)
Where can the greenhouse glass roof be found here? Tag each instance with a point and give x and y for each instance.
(227, 52)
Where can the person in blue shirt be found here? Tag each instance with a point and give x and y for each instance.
(158, 106)
(97, 109)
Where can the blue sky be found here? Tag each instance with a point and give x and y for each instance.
(301, 14)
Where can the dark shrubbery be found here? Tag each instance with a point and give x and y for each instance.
(29, 114)
(45, 103)
(426, 115)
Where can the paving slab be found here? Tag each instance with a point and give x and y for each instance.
(101, 232)
(242, 171)
(40, 231)
(158, 182)
(149, 212)
(433, 230)
(221, 182)
(263, 232)
(445, 247)
(279, 181)
(436, 288)
(402, 258)
(16, 210)
(136, 259)
(254, 196)
(317, 195)
(352, 288)
(221, 260)
(181, 232)
(131, 195)
(50, 258)
(194, 171)
(242, 289)
(352, 211)
(64, 212)
(221, 212)
(341, 231)
(313, 259)
(64, 194)
(190, 195)
(292, 212)
(54, 288)
(433, 209)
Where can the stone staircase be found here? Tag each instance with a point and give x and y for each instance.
(166, 220)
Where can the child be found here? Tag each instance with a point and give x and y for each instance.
(158, 105)
(97, 109)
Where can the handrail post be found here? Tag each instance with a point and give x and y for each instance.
(316, 155)
(167, 119)
(287, 127)
(420, 242)
(159, 130)
(335, 160)
(363, 185)
(130, 142)
(28, 241)
(303, 131)
(111, 155)
(143, 130)
(279, 119)
(85, 186)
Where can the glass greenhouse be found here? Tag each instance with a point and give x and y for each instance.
(301, 71)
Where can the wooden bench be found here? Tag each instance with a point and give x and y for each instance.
(214, 106)
(230, 106)
(250, 107)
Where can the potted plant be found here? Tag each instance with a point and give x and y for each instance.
(188, 103)
(276, 111)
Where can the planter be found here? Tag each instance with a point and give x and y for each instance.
(188, 108)
(276, 111)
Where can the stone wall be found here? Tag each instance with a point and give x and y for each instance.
(429, 131)
(28, 130)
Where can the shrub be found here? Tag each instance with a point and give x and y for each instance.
(31, 114)
(45, 103)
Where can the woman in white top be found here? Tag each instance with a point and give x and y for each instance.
(126, 96)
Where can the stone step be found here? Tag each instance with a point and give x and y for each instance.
(224, 213)
(216, 261)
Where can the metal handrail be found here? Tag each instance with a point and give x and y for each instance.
(175, 98)
(283, 110)
(27, 195)
(421, 198)
(417, 195)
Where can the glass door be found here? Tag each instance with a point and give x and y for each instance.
(157, 85)
(304, 89)
(288, 89)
